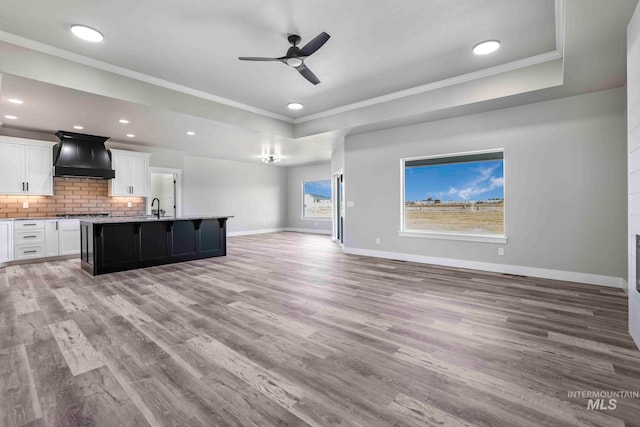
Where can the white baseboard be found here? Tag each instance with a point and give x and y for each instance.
(569, 276)
(308, 230)
(248, 232)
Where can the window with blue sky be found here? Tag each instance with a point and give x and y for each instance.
(316, 199)
(459, 194)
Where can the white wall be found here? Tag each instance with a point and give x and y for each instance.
(633, 128)
(295, 177)
(565, 188)
(254, 194)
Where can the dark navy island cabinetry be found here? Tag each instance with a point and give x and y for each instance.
(117, 244)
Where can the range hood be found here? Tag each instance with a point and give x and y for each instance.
(82, 155)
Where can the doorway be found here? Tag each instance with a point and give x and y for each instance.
(165, 186)
(338, 211)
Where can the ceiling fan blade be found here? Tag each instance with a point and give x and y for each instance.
(257, 58)
(314, 44)
(307, 74)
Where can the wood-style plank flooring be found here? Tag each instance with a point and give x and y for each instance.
(288, 330)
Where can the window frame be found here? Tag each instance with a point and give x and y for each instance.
(302, 205)
(441, 235)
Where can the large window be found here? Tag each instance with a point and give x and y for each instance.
(316, 199)
(461, 194)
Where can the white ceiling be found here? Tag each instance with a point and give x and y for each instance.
(49, 108)
(173, 66)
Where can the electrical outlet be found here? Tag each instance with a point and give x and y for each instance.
(500, 251)
(315, 224)
(25, 205)
(128, 204)
(350, 203)
(377, 240)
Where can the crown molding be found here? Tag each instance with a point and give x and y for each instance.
(487, 72)
(90, 62)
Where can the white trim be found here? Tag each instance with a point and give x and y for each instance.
(165, 170)
(487, 72)
(451, 236)
(545, 273)
(308, 230)
(321, 219)
(26, 141)
(90, 62)
(249, 232)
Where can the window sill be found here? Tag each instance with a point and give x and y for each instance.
(451, 236)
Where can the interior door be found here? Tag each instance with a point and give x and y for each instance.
(340, 208)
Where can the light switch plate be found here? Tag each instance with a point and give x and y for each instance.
(128, 204)
(25, 205)
(350, 203)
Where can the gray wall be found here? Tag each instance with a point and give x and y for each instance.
(565, 184)
(254, 194)
(633, 118)
(337, 158)
(295, 177)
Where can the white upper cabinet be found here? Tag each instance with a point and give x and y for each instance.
(26, 166)
(132, 174)
(120, 185)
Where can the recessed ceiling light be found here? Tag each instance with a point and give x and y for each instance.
(123, 121)
(78, 127)
(10, 117)
(87, 33)
(486, 47)
(16, 101)
(191, 133)
(130, 135)
(295, 106)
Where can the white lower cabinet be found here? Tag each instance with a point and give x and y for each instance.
(45, 238)
(28, 239)
(6, 241)
(68, 236)
(51, 237)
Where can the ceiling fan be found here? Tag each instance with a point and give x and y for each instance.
(295, 56)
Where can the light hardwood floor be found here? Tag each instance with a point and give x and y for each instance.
(288, 330)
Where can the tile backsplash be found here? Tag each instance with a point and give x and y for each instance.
(71, 196)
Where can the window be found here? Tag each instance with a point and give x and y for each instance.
(316, 199)
(457, 194)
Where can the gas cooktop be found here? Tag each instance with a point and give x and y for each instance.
(88, 215)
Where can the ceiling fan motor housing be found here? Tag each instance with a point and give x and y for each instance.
(294, 39)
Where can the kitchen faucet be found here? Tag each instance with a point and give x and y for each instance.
(158, 211)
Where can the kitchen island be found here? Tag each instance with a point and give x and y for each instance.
(115, 244)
